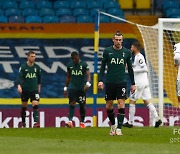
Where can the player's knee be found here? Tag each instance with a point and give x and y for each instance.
(35, 107)
(121, 111)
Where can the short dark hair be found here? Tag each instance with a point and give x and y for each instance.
(30, 52)
(118, 33)
(137, 45)
(74, 53)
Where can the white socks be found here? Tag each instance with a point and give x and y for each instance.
(153, 111)
(132, 110)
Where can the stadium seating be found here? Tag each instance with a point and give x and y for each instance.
(26, 4)
(78, 4)
(50, 19)
(146, 4)
(104, 19)
(63, 11)
(43, 4)
(84, 19)
(33, 19)
(115, 11)
(1, 12)
(3, 19)
(67, 19)
(16, 19)
(29, 11)
(45, 12)
(111, 4)
(126, 4)
(61, 4)
(59, 8)
(173, 13)
(170, 4)
(9, 4)
(80, 11)
(12, 12)
(94, 5)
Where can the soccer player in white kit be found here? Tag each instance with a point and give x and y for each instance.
(177, 64)
(142, 87)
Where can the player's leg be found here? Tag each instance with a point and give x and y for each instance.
(146, 98)
(82, 110)
(121, 96)
(35, 104)
(109, 97)
(132, 108)
(72, 103)
(24, 100)
(132, 111)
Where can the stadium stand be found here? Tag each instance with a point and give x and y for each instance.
(78, 5)
(3, 19)
(84, 19)
(80, 11)
(61, 4)
(43, 4)
(171, 9)
(63, 11)
(50, 19)
(76, 8)
(128, 4)
(9, 4)
(29, 11)
(26, 4)
(33, 19)
(12, 12)
(45, 12)
(16, 19)
(67, 19)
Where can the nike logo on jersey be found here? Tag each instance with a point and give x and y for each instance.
(111, 53)
(26, 70)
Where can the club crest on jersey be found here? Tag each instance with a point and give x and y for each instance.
(76, 72)
(117, 61)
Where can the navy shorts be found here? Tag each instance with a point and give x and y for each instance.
(115, 91)
(34, 95)
(77, 96)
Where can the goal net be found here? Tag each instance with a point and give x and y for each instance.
(158, 41)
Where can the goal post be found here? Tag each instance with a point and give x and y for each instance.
(161, 29)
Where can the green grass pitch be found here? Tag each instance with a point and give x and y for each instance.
(136, 140)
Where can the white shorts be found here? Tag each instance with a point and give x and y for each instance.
(142, 92)
(178, 88)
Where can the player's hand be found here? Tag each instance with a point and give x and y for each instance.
(101, 85)
(19, 89)
(133, 88)
(65, 94)
(86, 88)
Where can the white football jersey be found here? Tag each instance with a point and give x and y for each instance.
(140, 70)
(177, 58)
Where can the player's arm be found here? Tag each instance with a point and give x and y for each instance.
(67, 81)
(39, 80)
(102, 69)
(88, 77)
(19, 80)
(142, 64)
(131, 73)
